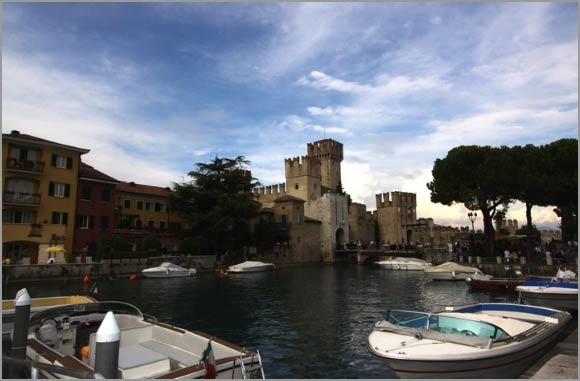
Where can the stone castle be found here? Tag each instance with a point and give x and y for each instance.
(320, 220)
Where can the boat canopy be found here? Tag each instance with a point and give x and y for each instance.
(452, 266)
(169, 265)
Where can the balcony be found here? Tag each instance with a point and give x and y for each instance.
(28, 166)
(17, 198)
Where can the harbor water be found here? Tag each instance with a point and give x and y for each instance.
(307, 321)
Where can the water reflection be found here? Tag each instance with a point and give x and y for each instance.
(307, 321)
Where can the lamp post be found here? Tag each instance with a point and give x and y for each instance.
(472, 216)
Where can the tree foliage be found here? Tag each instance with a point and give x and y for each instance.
(218, 203)
(489, 179)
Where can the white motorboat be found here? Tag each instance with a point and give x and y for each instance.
(406, 264)
(451, 271)
(168, 270)
(250, 267)
(488, 340)
(66, 337)
(559, 295)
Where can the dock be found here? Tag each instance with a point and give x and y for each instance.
(561, 362)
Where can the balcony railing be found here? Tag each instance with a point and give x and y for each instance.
(25, 165)
(21, 198)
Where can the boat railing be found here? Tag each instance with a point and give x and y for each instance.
(33, 368)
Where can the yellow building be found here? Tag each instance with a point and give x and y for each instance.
(39, 183)
(142, 211)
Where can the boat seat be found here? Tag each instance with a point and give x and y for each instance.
(173, 352)
(137, 361)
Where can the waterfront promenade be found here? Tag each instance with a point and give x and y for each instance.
(560, 363)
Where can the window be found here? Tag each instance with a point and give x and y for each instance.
(86, 193)
(106, 195)
(157, 207)
(296, 186)
(59, 218)
(162, 225)
(127, 204)
(58, 189)
(83, 222)
(147, 205)
(151, 225)
(139, 205)
(12, 216)
(60, 161)
(284, 219)
(138, 224)
(104, 222)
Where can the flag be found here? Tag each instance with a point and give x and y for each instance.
(94, 292)
(208, 360)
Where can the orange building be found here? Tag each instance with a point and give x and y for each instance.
(39, 182)
(141, 211)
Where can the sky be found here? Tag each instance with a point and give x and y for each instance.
(154, 88)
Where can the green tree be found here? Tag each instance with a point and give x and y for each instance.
(532, 180)
(110, 244)
(218, 203)
(478, 177)
(151, 243)
(562, 158)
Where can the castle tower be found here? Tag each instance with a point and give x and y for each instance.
(303, 177)
(329, 153)
(396, 213)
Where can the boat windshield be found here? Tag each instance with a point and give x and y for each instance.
(466, 327)
(410, 319)
(118, 308)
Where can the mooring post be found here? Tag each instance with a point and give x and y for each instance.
(20, 329)
(107, 348)
(21, 322)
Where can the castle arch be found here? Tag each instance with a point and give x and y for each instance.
(340, 237)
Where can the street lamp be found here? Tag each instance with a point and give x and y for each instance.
(472, 216)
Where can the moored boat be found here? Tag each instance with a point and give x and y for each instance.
(37, 305)
(68, 336)
(168, 270)
(250, 267)
(494, 284)
(405, 264)
(451, 271)
(559, 295)
(488, 340)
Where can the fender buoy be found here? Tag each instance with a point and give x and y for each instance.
(132, 276)
(274, 267)
(86, 279)
(221, 272)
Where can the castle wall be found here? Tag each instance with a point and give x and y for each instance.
(394, 211)
(361, 224)
(266, 195)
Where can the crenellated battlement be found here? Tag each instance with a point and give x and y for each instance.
(326, 149)
(276, 189)
(396, 199)
(302, 166)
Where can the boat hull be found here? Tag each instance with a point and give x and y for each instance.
(506, 366)
(566, 302)
(163, 274)
(494, 285)
(255, 269)
(449, 276)
(403, 266)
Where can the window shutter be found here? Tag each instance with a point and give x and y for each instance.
(91, 222)
(78, 220)
(54, 160)
(65, 218)
(55, 218)
(67, 190)
(68, 162)
(51, 188)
